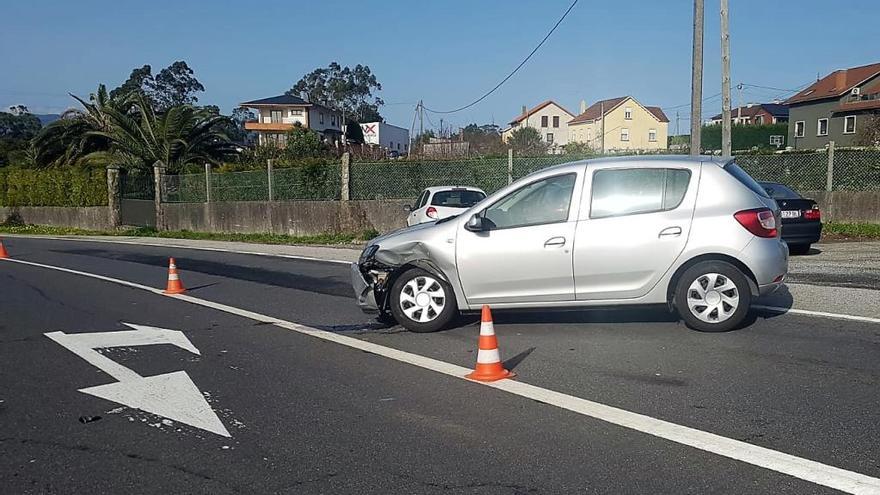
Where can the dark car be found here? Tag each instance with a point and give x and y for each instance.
(801, 217)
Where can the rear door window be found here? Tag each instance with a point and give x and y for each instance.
(423, 198)
(457, 198)
(778, 191)
(633, 191)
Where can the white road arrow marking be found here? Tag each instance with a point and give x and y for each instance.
(171, 395)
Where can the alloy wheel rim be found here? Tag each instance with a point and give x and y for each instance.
(713, 298)
(422, 299)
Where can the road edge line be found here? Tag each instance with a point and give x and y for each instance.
(797, 467)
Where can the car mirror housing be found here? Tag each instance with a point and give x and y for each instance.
(475, 223)
(407, 208)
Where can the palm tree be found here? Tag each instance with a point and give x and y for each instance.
(126, 130)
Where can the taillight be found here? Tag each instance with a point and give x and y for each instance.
(760, 221)
(431, 212)
(813, 214)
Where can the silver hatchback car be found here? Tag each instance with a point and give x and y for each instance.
(698, 234)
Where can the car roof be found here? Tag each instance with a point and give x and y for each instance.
(623, 161)
(434, 189)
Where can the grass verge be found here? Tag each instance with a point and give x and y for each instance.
(850, 231)
(322, 239)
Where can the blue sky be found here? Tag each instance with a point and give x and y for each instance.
(447, 53)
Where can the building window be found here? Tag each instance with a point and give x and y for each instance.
(628, 113)
(275, 116)
(799, 128)
(556, 121)
(332, 119)
(544, 121)
(759, 119)
(822, 127)
(652, 135)
(550, 138)
(398, 146)
(624, 134)
(849, 124)
(321, 120)
(405, 147)
(390, 145)
(296, 112)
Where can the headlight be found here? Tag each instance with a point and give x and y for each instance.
(368, 253)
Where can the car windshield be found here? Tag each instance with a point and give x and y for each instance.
(457, 198)
(746, 179)
(778, 191)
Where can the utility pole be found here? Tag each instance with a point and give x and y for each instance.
(726, 148)
(602, 128)
(697, 79)
(677, 119)
(421, 121)
(739, 106)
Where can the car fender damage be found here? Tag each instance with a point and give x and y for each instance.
(375, 273)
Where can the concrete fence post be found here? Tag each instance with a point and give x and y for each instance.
(159, 182)
(114, 197)
(509, 166)
(829, 178)
(345, 177)
(207, 183)
(269, 171)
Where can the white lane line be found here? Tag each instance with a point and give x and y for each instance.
(139, 242)
(798, 467)
(821, 314)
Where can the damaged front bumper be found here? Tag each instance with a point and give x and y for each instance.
(364, 291)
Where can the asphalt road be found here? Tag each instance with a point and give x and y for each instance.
(305, 415)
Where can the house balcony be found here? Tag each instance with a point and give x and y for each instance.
(268, 126)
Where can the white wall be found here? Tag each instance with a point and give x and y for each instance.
(386, 135)
(331, 119)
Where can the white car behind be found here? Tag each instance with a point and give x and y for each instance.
(439, 202)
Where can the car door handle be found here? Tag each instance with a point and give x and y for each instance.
(555, 242)
(670, 232)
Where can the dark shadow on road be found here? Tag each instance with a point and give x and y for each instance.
(190, 289)
(321, 285)
(513, 362)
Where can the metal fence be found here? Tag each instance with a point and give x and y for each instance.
(842, 169)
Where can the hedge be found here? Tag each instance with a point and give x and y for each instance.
(53, 187)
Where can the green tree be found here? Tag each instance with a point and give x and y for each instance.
(578, 148)
(344, 89)
(174, 85)
(236, 131)
(527, 140)
(18, 125)
(129, 131)
(303, 142)
(869, 131)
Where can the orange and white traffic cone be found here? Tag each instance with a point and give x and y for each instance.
(174, 284)
(489, 367)
(3, 253)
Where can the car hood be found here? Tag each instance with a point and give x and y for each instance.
(413, 243)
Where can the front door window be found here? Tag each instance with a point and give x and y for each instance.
(541, 202)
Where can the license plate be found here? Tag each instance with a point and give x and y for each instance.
(791, 213)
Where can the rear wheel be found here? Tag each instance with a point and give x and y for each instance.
(422, 301)
(713, 296)
(799, 248)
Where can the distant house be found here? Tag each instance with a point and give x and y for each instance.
(386, 136)
(548, 118)
(278, 114)
(833, 108)
(757, 114)
(619, 124)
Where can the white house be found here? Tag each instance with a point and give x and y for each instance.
(278, 114)
(386, 136)
(548, 118)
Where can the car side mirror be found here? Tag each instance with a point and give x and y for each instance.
(407, 208)
(475, 223)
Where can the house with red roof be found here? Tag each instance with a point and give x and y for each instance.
(620, 124)
(833, 108)
(548, 118)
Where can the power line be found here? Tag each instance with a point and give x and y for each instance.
(771, 89)
(688, 104)
(518, 67)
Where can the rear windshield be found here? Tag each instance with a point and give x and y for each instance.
(778, 191)
(457, 198)
(746, 180)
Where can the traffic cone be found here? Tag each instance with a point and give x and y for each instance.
(3, 253)
(489, 367)
(174, 285)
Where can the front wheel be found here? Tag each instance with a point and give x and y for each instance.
(422, 302)
(713, 296)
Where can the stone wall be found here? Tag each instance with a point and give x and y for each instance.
(86, 217)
